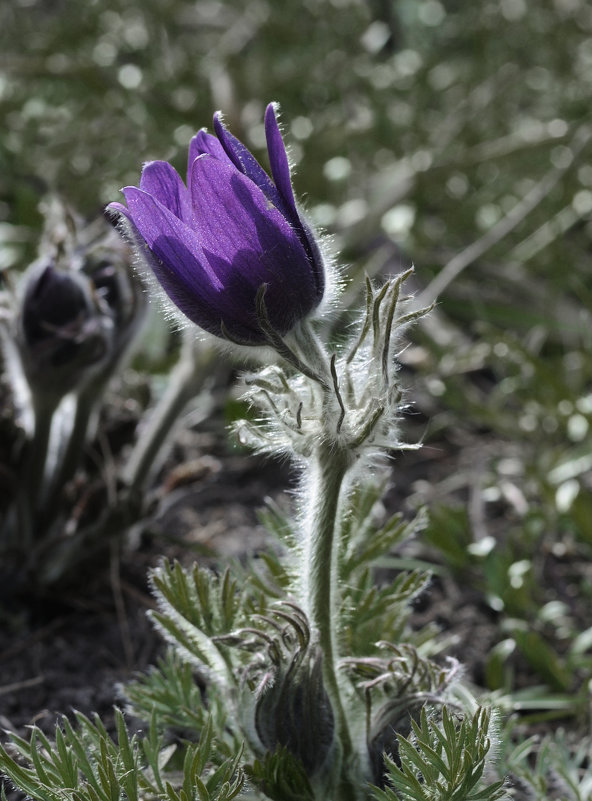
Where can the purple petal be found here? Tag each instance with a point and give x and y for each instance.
(201, 143)
(183, 269)
(248, 165)
(188, 288)
(280, 170)
(163, 182)
(156, 224)
(115, 208)
(278, 159)
(231, 215)
(250, 243)
(230, 143)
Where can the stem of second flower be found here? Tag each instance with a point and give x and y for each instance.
(326, 473)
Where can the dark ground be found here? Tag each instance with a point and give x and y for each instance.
(68, 647)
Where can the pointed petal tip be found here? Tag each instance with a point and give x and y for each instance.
(278, 158)
(114, 209)
(273, 109)
(219, 127)
(199, 136)
(147, 164)
(155, 164)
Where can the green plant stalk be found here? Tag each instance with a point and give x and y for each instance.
(85, 406)
(327, 471)
(185, 383)
(31, 489)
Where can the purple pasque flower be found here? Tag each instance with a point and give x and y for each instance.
(213, 243)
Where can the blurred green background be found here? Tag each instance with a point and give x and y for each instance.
(452, 135)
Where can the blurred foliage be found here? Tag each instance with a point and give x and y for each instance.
(446, 106)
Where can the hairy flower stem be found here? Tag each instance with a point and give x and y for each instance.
(312, 350)
(319, 572)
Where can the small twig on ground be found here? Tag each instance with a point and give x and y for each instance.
(120, 609)
(21, 685)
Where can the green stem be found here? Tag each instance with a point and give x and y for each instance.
(31, 489)
(319, 589)
(185, 383)
(71, 459)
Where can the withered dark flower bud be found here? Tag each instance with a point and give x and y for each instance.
(393, 718)
(61, 333)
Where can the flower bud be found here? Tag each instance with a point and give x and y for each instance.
(61, 333)
(293, 710)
